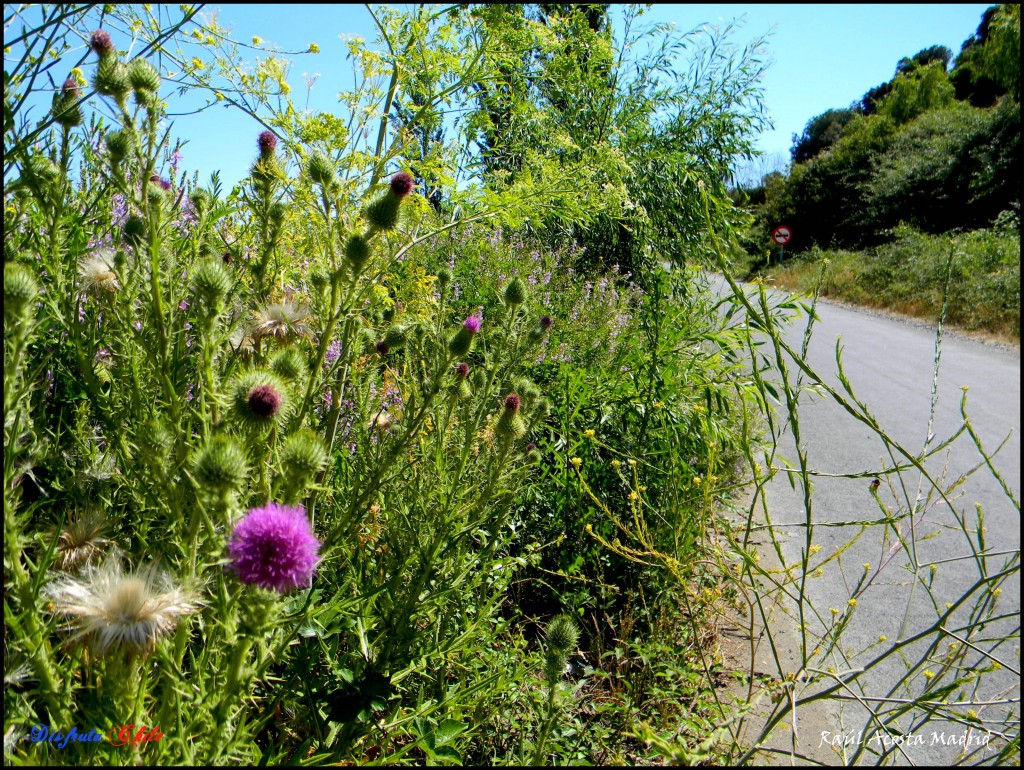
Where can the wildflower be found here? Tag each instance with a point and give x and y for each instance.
(546, 322)
(510, 424)
(462, 370)
(101, 44)
(696, 481)
(221, 464)
(929, 674)
(82, 540)
(819, 572)
(320, 169)
(382, 421)
(867, 566)
(256, 40)
(815, 548)
(883, 638)
(633, 497)
(576, 462)
(96, 272)
(401, 184)
(631, 462)
(515, 293)
(852, 602)
(357, 251)
(281, 320)
(118, 611)
(462, 340)
(20, 290)
(143, 76)
(303, 456)
(616, 464)
(267, 142)
(258, 398)
(274, 547)
(972, 714)
(314, 48)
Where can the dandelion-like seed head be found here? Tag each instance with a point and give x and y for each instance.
(96, 272)
(281, 320)
(117, 611)
(274, 547)
(82, 541)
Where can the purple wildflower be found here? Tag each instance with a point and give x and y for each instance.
(382, 347)
(333, 353)
(101, 43)
(472, 324)
(264, 401)
(267, 143)
(274, 547)
(546, 322)
(512, 402)
(462, 370)
(401, 184)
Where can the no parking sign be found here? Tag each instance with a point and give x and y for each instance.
(782, 235)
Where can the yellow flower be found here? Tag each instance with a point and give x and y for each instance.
(658, 404)
(883, 638)
(819, 572)
(314, 48)
(996, 591)
(631, 462)
(198, 63)
(815, 548)
(616, 464)
(643, 488)
(285, 88)
(220, 96)
(929, 674)
(833, 610)
(589, 433)
(972, 714)
(816, 651)
(852, 602)
(256, 40)
(867, 566)
(633, 496)
(696, 481)
(79, 77)
(576, 462)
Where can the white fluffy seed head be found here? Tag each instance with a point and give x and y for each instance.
(112, 610)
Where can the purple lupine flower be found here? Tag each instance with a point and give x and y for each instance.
(274, 547)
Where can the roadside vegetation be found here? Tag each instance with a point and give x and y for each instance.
(881, 187)
(406, 449)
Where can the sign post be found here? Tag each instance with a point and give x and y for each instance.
(782, 235)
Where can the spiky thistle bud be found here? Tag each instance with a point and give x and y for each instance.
(155, 440)
(212, 282)
(259, 399)
(119, 144)
(444, 277)
(462, 340)
(532, 453)
(278, 211)
(382, 347)
(395, 336)
(357, 251)
(20, 291)
(290, 364)
(510, 424)
(462, 390)
(111, 78)
(560, 639)
(134, 229)
(65, 105)
(515, 293)
(143, 76)
(542, 327)
(320, 169)
(303, 456)
(221, 465)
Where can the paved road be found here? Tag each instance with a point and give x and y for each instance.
(889, 364)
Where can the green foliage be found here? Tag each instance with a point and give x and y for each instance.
(820, 133)
(914, 92)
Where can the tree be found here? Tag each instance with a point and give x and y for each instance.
(821, 132)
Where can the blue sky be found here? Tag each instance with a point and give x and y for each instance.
(821, 56)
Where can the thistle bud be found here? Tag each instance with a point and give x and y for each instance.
(155, 440)
(290, 364)
(382, 214)
(542, 327)
(395, 337)
(320, 169)
(444, 277)
(303, 456)
(119, 144)
(258, 399)
(20, 290)
(277, 213)
(510, 424)
(357, 251)
(134, 229)
(220, 465)
(561, 638)
(65, 105)
(462, 340)
(515, 293)
(382, 347)
(111, 78)
(212, 282)
(143, 76)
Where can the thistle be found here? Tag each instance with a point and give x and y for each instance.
(96, 272)
(290, 364)
(510, 424)
(462, 340)
(66, 110)
(211, 282)
(101, 44)
(82, 540)
(281, 320)
(143, 77)
(20, 291)
(267, 143)
(115, 611)
(258, 399)
(515, 293)
(357, 251)
(303, 456)
(320, 169)
(111, 78)
(273, 547)
(221, 465)
(382, 214)
(543, 326)
(560, 640)
(462, 390)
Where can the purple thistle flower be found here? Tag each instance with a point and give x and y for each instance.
(512, 402)
(101, 43)
(382, 347)
(267, 143)
(264, 401)
(546, 322)
(70, 89)
(462, 370)
(274, 547)
(401, 184)
(472, 324)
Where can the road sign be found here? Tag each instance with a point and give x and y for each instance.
(782, 235)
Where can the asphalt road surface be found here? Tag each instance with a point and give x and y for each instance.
(889, 363)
